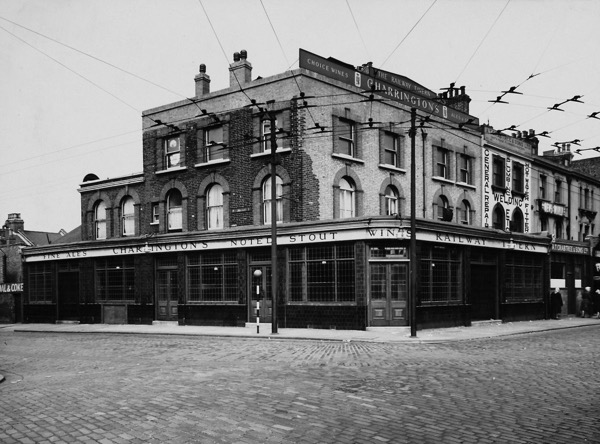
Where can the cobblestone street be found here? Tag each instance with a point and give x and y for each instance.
(88, 388)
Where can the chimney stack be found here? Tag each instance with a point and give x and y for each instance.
(240, 71)
(14, 222)
(202, 82)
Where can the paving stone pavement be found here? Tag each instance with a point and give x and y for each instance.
(121, 388)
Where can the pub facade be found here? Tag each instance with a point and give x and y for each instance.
(317, 160)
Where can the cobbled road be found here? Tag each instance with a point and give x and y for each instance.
(113, 388)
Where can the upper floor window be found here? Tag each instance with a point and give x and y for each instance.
(466, 169)
(558, 229)
(391, 201)
(465, 213)
(155, 214)
(267, 199)
(518, 177)
(516, 224)
(128, 217)
(213, 143)
(498, 172)
(391, 145)
(557, 191)
(498, 218)
(100, 220)
(345, 137)
(265, 133)
(347, 198)
(442, 163)
(214, 207)
(444, 212)
(543, 186)
(585, 199)
(172, 152)
(174, 210)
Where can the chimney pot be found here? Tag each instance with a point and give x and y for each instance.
(243, 54)
(203, 68)
(462, 90)
(236, 56)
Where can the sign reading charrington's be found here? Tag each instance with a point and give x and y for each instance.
(388, 85)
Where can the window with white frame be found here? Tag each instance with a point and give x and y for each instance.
(498, 172)
(266, 134)
(267, 199)
(498, 220)
(518, 177)
(213, 143)
(155, 214)
(128, 216)
(347, 198)
(172, 152)
(443, 208)
(391, 201)
(346, 137)
(465, 169)
(214, 207)
(465, 212)
(442, 162)
(100, 220)
(174, 210)
(391, 144)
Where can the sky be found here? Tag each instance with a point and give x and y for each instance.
(76, 75)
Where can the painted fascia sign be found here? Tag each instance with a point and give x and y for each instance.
(385, 84)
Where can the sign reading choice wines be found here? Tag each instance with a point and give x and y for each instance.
(386, 84)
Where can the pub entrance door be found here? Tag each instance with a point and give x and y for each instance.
(166, 289)
(389, 293)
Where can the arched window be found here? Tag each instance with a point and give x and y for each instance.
(266, 199)
(498, 217)
(516, 224)
(391, 201)
(465, 212)
(347, 198)
(128, 216)
(443, 208)
(214, 207)
(174, 210)
(100, 220)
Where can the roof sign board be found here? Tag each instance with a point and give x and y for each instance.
(387, 85)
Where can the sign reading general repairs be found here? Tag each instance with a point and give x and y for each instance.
(388, 85)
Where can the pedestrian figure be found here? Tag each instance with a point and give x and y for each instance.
(596, 301)
(586, 302)
(556, 303)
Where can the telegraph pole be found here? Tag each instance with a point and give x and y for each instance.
(413, 232)
(272, 122)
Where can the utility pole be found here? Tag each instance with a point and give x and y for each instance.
(273, 122)
(413, 232)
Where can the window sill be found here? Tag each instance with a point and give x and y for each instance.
(171, 170)
(466, 185)
(212, 163)
(386, 166)
(268, 153)
(442, 179)
(346, 157)
(154, 223)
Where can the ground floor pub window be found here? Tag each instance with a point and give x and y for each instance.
(440, 275)
(115, 279)
(322, 273)
(40, 283)
(212, 277)
(523, 278)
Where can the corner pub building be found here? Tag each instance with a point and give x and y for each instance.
(183, 241)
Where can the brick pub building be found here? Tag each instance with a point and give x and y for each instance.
(188, 240)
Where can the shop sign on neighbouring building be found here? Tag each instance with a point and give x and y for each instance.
(11, 288)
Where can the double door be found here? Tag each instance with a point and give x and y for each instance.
(388, 293)
(166, 294)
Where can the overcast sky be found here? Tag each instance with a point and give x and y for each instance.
(68, 108)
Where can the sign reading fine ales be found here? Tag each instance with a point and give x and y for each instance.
(388, 85)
